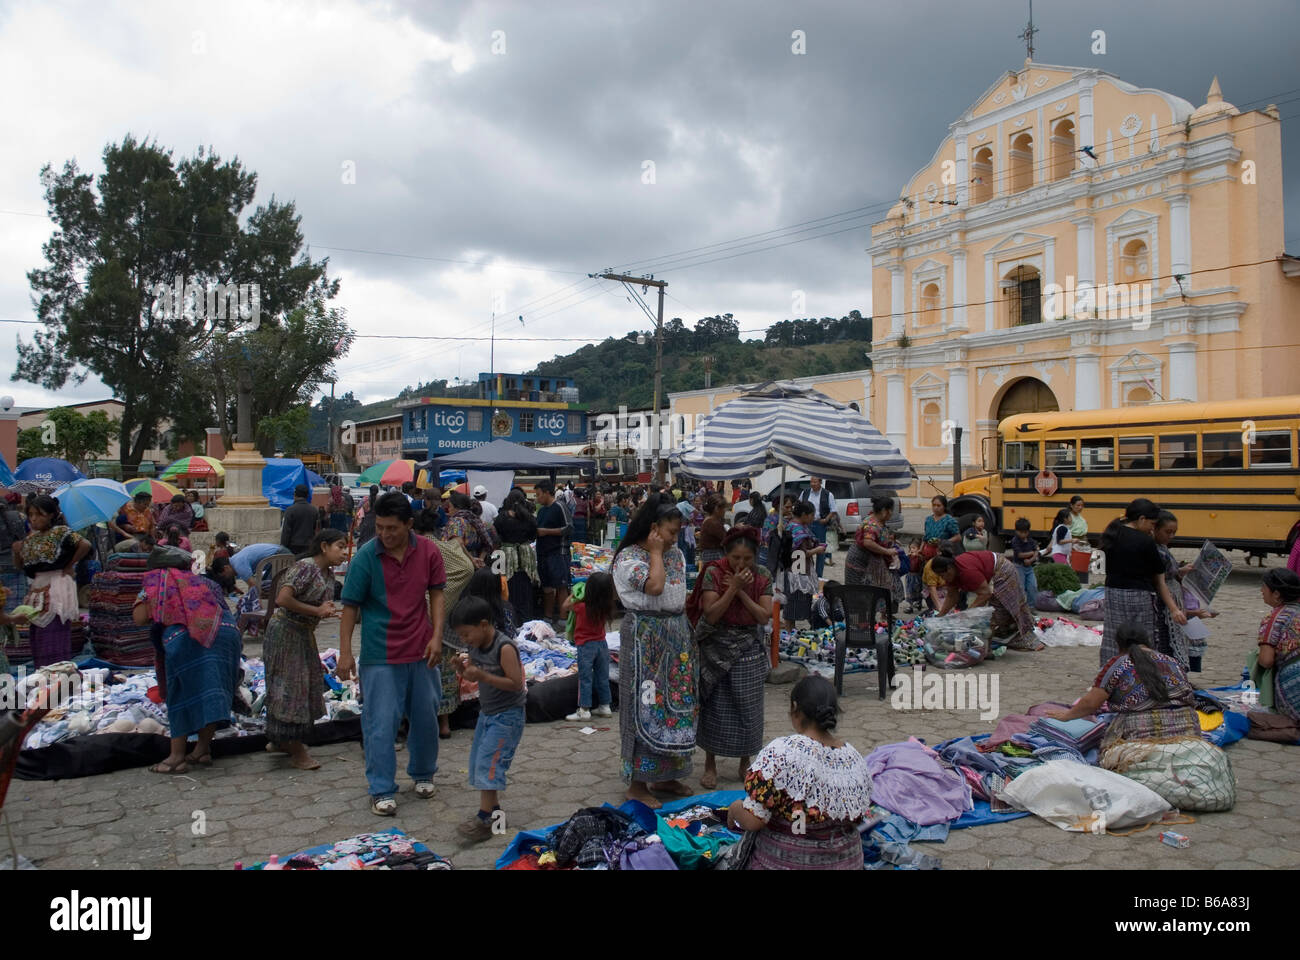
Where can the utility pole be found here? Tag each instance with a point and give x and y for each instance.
(644, 282)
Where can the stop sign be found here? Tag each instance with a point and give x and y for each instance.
(1046, 483)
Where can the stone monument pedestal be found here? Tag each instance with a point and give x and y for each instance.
(242, 511)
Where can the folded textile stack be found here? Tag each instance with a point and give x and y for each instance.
(113, 633)
(391, 850)
(1081, 735)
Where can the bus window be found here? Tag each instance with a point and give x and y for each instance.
(1271, 449)
(1098, 454)
(1137, 453)
(1059, 455)
(1221, 451)
(1013, 457)
(1178, 451)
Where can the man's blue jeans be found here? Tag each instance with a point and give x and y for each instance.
(593, 667)
(391, 691)
(1029, 581)
(819, 531)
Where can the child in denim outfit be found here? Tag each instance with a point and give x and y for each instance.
(493, 662)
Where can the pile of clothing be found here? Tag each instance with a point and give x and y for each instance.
(587, 558)
(105, 701)
(544, 654)
(909, 641)
(1060, 632)
(392, 850)
(815, 651)
(1089, 603)
(113, 633)
(689, 834)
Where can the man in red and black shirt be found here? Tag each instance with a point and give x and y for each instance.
(395, 583)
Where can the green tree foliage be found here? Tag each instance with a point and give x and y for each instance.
(286, 432)
(149, 220)
(621, 371)
(73, 436)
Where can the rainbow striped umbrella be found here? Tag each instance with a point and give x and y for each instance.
(155, 488)
(194, 467)
(389, 473)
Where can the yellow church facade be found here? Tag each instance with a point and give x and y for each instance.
(1075, 243)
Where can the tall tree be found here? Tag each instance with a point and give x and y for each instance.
(149, 221)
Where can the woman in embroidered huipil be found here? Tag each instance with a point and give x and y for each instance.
(1279, 639)
(659, 668)
(806, 793)
(294, 695)
(49, 556)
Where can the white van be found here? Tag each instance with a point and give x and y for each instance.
(852, 498)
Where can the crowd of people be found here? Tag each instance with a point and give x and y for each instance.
(441, 579)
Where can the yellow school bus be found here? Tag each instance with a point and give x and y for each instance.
(1227, 470)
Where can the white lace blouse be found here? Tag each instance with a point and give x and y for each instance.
(797, 772)
(632, 572)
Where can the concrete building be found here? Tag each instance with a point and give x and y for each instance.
(1055, 181)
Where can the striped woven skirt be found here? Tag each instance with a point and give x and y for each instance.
(1137, 608)
(834, 847)
(731, 689)
(1166, 723)
(1010, 607)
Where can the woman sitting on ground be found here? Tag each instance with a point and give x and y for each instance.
(994, 581)
(1279, 639)
(806, 793)
(178, 512)
(1147, 692)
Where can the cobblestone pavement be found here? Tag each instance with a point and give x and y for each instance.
(255, 805)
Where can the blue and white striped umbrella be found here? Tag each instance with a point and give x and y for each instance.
(782, 423)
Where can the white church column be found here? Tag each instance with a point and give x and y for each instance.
(1182, 371)
(959, 407)
(959, 293)
(1180, 244)
(1085, 266)
(1087, 382)
(895, 411)
(1086, 138)
(896, 317)
(963, 178)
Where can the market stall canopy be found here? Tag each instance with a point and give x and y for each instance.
(388, 473)
(504, 455)
(783, 423)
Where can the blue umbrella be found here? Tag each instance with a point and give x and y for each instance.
(47, 472)
(7, 478)
(88, 502)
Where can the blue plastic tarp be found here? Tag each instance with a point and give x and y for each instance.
(279, 477)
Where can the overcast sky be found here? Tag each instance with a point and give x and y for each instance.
(500, 149)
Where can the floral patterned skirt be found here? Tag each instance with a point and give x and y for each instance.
(295, 682)
(658, 704)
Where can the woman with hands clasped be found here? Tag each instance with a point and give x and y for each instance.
(733, 600)
(294, 697)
